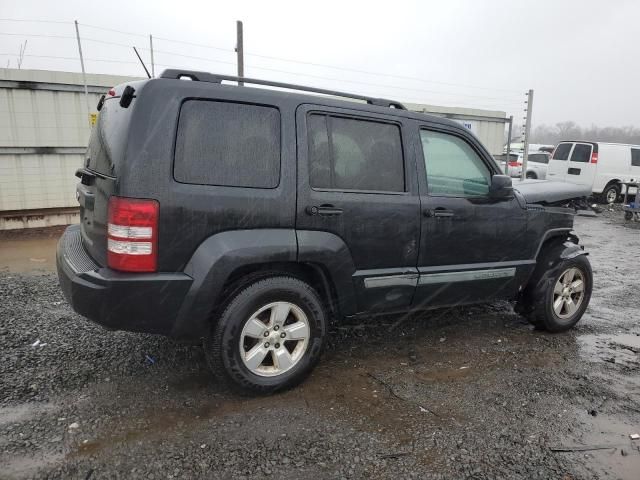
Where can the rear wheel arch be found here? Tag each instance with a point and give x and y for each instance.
(316, 276)
(612, 184)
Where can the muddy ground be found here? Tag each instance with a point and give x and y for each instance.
(461, 393)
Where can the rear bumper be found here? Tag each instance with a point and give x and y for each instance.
(137, 302)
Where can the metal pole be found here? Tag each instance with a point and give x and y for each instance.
(240, 50)
(153, 68)
(527, 133)
(506, 162)
(84, 74)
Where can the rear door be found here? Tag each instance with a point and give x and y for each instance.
(582, 164)
(354, 182)
(557, 169)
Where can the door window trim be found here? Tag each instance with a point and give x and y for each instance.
(573, 144)
(574, 147)
(489, 167)
(363, 117)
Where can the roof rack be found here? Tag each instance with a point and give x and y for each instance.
(215, 78)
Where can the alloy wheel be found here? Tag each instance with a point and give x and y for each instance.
(274, 339)
(568, 293)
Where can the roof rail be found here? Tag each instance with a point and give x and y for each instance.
(215, 78)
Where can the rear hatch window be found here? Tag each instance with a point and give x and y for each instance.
(108, 138)
(103, 162)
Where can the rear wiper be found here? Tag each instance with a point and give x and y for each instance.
(85, 172)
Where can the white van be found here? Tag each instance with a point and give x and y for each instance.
(602, 166)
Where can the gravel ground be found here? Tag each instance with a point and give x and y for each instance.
(460, 393)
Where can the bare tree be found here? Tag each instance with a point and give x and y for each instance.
(570, 130)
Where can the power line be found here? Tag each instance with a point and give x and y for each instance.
(112, 30)
(33, 21)
(281, 59)
(377, 73)
(57, 57)
(195, 44)
(269, 57)
(268, 69)
(37, 35)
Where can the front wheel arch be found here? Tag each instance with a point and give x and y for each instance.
(553, 250)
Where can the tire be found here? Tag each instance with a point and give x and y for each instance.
(628, 216)
(240, 330)
(531, 175)
(544, 312)
(611, 193)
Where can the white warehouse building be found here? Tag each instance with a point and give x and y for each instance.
(45, 127)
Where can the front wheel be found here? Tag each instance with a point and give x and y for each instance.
(269, 336)
(560, 304)
(531, 176)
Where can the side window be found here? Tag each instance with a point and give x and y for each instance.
(453, 167)
(353, 154)
(581, 153)
(539, 158)
(635, 157)
(562, 151)
(228, 144)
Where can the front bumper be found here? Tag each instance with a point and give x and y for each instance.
(137, 302)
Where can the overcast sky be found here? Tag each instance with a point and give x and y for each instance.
(580, 57)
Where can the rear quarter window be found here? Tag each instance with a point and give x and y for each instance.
(228, 144)
(539, 158)
(562, 151)
(635, 157)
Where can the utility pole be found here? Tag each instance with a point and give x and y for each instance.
(153, 68)
(84, 74)
(240, 50)
(506, 160)
(527, 133)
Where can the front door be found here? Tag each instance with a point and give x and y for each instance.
(354, 183)
(472, 247)
(557, 169)
(582, 164)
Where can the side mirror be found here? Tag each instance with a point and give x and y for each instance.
(501, 187)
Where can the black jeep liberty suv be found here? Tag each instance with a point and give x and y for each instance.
(247, 217)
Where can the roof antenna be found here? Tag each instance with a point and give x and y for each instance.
(143, 65)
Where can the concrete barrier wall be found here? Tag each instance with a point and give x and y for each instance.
(44, 131)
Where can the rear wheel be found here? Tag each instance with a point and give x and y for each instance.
(611, 193)
(564, 297)
(269, 336)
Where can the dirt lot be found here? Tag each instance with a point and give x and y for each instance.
(462, 393)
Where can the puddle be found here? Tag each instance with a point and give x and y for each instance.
(622, 460)
(26, 466)
(29, 251)
(623, 348)
(21, 413)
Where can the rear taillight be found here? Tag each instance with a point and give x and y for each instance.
(132, 236)
(515, 164)
(594, 157)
